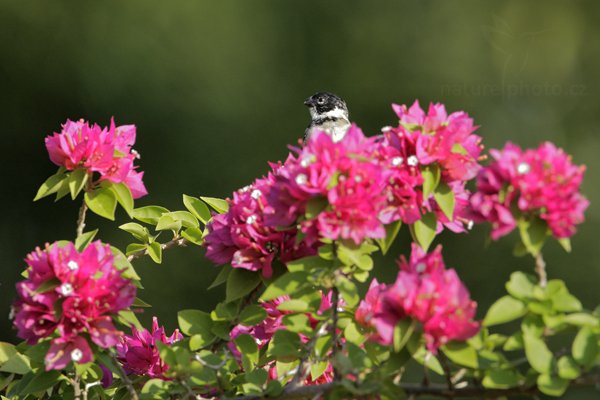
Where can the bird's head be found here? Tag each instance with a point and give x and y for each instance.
(326, 105)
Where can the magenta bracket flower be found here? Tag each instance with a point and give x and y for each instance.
(99, 161)
(534, 190)
(69, 296)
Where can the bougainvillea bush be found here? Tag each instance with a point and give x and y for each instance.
(292, 249)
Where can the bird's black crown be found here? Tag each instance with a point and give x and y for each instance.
(325, 101)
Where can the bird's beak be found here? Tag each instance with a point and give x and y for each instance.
(308, 102)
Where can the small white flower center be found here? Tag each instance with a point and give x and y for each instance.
(301, 179)
(76, 355)
(523, 168)
(307, 160)
(72, 265)
(245, 189)
(397, 161)
(413, 161)
(470, 224)
(66, 289)
(256, 193)
(421, 267)
(251, 219)
(358, 178)
(386, 129)
(135, 154)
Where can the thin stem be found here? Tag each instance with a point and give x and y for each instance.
(335, 299)
(540, 269)
(81, 219)
(76, 387)
(447, 372)
(175, 242)
(132, 393)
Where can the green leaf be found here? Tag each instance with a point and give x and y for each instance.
(423, 230)
(552, 385)
(137, 231)
(308, 263)
(581, 319)
(198, 208)
(444, 196)
(568, 368)
(86, 238)
(500, 379)
(538, 354)
(286, 284)
(52, 184)
(354, 256)
(352, 334)
(315, 206)
(391, 231)
(565, 243)
(128, 318)
(140, 303)
(585, 347)
(221, 277)
(149, 214)
(155, 389)
(219, 205)
(168, 222)
(155, 252)
(124, 197)
(295, 305)
(348, 290)
(77, 180)
(563, 301)
(402, 334)
(284, 345)
(193, 235)
(248, 349)
(252, 315)
(298, 323)
(187, 219)
(521, 285)
(462, 354)
(12, 361)
(317, 369)
(196, 323)
(505, 309)
(514, 342)
(431, 178)
(40, 382)
(240, 282)
(102, 201)
(533, 234)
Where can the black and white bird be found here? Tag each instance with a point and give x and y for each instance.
(329, 114)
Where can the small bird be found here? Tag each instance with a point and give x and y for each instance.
(329, 114)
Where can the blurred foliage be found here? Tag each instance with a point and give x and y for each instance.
(216, 91)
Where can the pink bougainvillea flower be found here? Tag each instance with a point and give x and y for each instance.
(69, 293)
(424, 291)
(106, 151)
(433, 141)
(139, 354)
(64, 350)
(540, 182)
(340, 184)
(241, 237)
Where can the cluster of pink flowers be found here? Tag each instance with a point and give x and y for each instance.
(348, 189)
(264, 331)
(68, 294)
(107, 151)
(139, 354)
(537, 182)
(429, 139)
(241, 237)
(424, 291)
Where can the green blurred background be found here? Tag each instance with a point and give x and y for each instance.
(216, 89)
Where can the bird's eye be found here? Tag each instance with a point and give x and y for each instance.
(321, 100)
